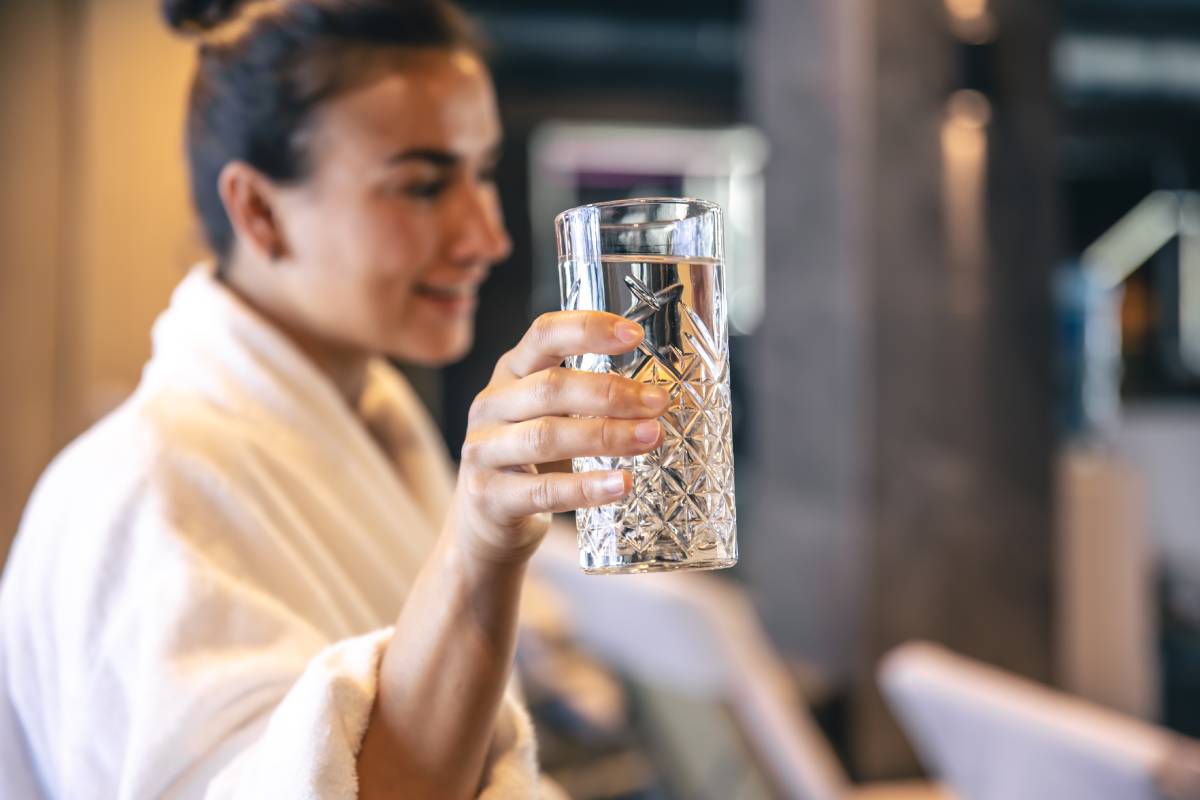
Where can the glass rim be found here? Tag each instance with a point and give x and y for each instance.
(705, 206)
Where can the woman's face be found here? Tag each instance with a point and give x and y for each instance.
(399, 221)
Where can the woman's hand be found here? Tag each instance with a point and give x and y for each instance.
(534, 411)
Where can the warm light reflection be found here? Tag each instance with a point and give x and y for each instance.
(970, 20)
(964, 186)
(966, 9)
(969, 108)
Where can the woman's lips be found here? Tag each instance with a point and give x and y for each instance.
(449, 299)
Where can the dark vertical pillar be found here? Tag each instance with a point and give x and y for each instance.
(962, 507)
(903, 378)
(925, 534)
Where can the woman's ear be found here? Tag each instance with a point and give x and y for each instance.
(249, 198)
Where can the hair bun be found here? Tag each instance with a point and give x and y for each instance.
(197, 16)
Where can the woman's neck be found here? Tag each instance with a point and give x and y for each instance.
(346, 367)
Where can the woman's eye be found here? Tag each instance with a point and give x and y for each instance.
(488, 175)
(423, 190)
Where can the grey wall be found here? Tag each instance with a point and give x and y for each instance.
(803, 532)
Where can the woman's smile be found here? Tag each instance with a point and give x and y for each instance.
(456, 299)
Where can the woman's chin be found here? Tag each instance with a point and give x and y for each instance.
(434, 351)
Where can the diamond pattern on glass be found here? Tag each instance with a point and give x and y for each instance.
(681, 508)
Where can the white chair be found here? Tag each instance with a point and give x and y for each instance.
(990, 735)
(701, 635)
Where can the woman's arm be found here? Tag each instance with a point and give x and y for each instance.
(441, 680)
(443, 675)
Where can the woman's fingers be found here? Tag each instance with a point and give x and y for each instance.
(525, 417)
(513, 495)
(560, 392)
(544, 439)
(557, 334)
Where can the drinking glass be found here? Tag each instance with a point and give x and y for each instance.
(660, 263)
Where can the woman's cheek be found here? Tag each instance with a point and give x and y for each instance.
(405, 239)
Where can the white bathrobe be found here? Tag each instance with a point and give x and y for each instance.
(197, 599)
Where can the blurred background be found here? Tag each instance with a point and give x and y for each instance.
(965, 283)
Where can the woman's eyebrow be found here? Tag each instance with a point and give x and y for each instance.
(438, 158)
(441, 158)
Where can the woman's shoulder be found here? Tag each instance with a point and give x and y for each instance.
(145, 438)
(149, 456)
(156, 491)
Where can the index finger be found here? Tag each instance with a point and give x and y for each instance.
(557, 334)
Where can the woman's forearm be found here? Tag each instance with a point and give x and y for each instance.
(443, 675)
(442, 679)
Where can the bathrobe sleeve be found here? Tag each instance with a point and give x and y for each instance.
(308, 747)
(261, 704)
(150, 662)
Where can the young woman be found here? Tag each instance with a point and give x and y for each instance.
(256, 579)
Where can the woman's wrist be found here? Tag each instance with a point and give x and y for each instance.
(487, 547)
(486, 587)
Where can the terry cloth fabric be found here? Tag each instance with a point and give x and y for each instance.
(197, 599)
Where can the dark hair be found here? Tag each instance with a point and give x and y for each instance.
(259, 78)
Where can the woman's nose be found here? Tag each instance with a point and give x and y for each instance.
(480, 231)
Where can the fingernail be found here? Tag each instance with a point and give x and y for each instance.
(613, 483)
(646, 431)
(629, 332)
(654, 396)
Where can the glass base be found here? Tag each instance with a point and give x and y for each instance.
(642, 567)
